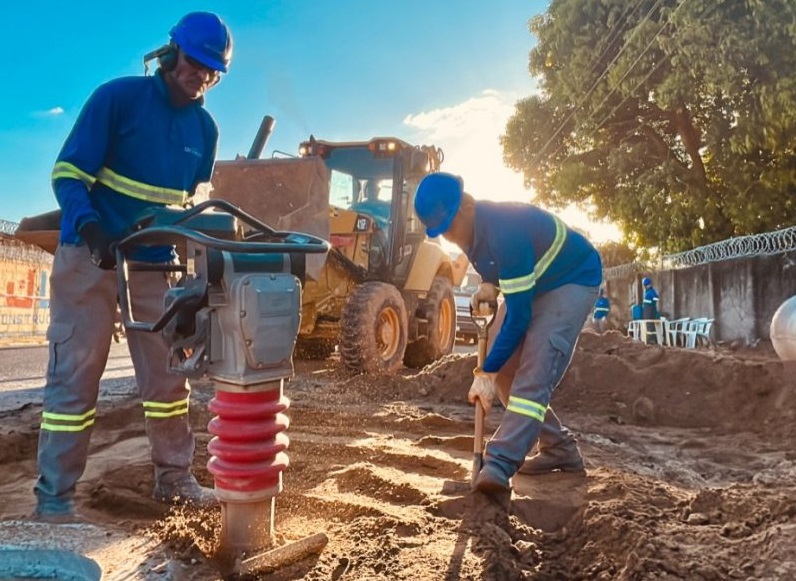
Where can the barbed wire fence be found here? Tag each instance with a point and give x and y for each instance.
(7, 227)
(15, 251)
(777, 242)
(767, 243)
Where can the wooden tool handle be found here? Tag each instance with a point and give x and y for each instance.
(478, 440)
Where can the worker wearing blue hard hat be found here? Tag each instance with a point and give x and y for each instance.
(139, 142)
(651, 300)
(204, 37)
(602, 307)
(649, 309)
(549, 276)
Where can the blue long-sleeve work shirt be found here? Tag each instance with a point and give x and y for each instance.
(650, 302)
(129, 150)
(526, 251)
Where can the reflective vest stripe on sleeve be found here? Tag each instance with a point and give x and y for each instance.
(64, 169)
(527, 282)
(121, 184)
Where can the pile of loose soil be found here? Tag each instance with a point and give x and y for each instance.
(691, 474)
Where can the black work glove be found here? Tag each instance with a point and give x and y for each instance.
(99, 244)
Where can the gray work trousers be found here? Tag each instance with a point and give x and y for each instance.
(534, 371)
(82, 310)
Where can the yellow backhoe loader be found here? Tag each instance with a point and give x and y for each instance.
(383, 295)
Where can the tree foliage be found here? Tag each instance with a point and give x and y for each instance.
(615, 253)
(675, 119)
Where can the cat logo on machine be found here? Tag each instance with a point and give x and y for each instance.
(362, 224)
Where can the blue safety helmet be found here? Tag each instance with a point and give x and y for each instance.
(645, 281)
(203, 36)
(438, 198)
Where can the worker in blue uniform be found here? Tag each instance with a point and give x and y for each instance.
(602, 307)
(649, 310)
(649, 305)
(549, 276)
(139, 142)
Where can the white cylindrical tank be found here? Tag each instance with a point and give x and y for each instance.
(783, 330)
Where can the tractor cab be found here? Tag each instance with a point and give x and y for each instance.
(372, 218)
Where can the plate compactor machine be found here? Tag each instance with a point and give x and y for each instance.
(233, 318)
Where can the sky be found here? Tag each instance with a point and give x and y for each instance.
(433, 72)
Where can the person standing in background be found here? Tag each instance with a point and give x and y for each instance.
(602, 306)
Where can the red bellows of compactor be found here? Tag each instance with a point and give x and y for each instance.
(247, 460)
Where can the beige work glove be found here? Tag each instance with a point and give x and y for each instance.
(486, 293)
(483, 389)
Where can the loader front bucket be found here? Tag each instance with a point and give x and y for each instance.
(285, 193)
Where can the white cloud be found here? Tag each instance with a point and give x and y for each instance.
(54, 112)
(469, 134)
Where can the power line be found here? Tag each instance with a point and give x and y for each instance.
(615, 34)
(647, 17)
(630, 69)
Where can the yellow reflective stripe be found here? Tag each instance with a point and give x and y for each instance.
(68, 417)
(163, 405)
(74, 422)
(181, 412)
(527, 282)
(526, 407)
(517, 285)
(169, 410)
(65, 169)
(140, 190)
(65, 427)
(552, 252)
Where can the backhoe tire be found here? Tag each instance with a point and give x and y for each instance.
(374, 329)
(441, 315)
(313, 349)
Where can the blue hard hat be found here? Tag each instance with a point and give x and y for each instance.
(204, 36)
(645, 281)
(437, 200)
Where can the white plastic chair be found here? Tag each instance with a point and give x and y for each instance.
(703, 332)
(674, 332)
(689, 333)
(634, 330)
(698, 330)
(641, 329)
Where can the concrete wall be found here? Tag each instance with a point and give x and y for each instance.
(740, 294)
(24, 291)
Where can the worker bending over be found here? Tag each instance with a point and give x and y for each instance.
(549, 276)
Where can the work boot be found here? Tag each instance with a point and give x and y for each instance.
(56, 509)
(563, 457)
(59, 518)
(493, 485)
(185, 490)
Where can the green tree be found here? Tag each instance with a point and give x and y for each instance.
(675, 119)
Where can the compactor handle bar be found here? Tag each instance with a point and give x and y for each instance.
(168, 234)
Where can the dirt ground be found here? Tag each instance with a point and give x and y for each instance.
(691, 474)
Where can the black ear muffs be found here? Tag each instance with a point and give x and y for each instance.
(167, 59)
(166, 56)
